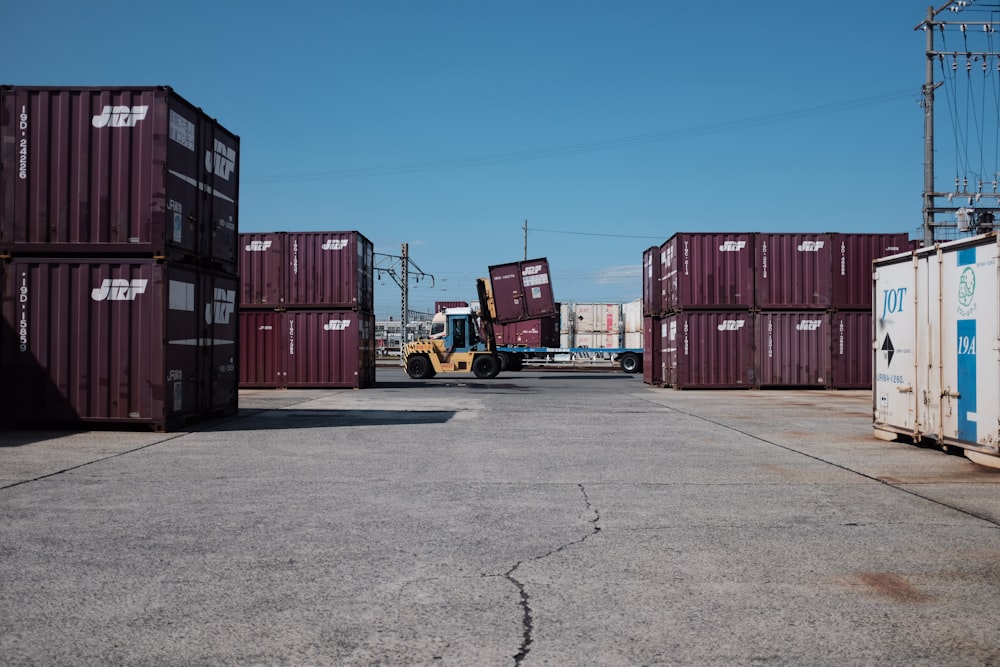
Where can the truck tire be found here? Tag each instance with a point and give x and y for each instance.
(419, 367)
(485, 366)
(504, 360)
(631, 362)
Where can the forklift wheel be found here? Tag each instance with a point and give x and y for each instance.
(485, 367)
(419, 367)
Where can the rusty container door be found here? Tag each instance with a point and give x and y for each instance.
(522, 291)
(793, 348)
(116, 171)
(794, 271)
(709, 350)
(329, 270)
(708, 271)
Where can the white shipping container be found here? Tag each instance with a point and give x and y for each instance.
(936, 336)
(633, 340)
(597, 340)
(632, 317)
(604, 318)
(565, 319)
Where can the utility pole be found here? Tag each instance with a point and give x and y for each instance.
(526, 240)
(404, 296)
(961, 201)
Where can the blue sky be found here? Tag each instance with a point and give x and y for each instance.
(447, 124)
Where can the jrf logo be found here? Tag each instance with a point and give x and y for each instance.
(336, 325)
(732, 246)
(118, 289)
(809, 325)
(731, 325)
(119, 116)
(334, 244)
(531, 270)
(222, 308)
(257, 246)
(222, 161)
(810, 246)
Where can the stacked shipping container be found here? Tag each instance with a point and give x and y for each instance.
(307, 310)
(762, 310)
(118, 228)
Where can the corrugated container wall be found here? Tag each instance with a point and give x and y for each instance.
(329, 270)
(114, 171)
(127, 340)
(652, 351)
(262, 270)
(522, 290)
(600, 318)
(851, 353)
(793, 348)
(632, 324)
(793, 271)
(853, 255)
(652, 298)
(709, 350)
(307, 270)
(707, 271)
(307, 348)
(541, 332)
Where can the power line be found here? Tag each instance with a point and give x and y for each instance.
(590, 146)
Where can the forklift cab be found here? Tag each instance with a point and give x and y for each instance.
(460, 333)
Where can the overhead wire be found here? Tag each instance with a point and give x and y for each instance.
(588, 146)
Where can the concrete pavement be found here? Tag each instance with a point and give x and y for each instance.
(560, 518)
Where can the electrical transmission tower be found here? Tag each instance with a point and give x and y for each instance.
(401, 269)
(962, 50)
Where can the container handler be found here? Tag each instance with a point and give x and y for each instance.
(459, 348)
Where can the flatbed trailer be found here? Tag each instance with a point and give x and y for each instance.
(514, 357)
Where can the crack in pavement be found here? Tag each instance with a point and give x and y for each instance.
(527, 620)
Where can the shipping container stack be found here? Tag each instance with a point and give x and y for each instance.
(307, 310)
(118, 231)
(764, 310)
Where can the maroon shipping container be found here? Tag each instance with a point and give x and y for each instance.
(262, 270)
(541, 332)
(852, 350)
(102, 171)
(262, 349)
(441, 305)
(652, 298)
(708, 350)
(852, 265)
(127, 341)
(652, 357)
(707, 271)
(317, 270)
(794, 271)
(793, 348)
(307, 348)
(522, 291)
